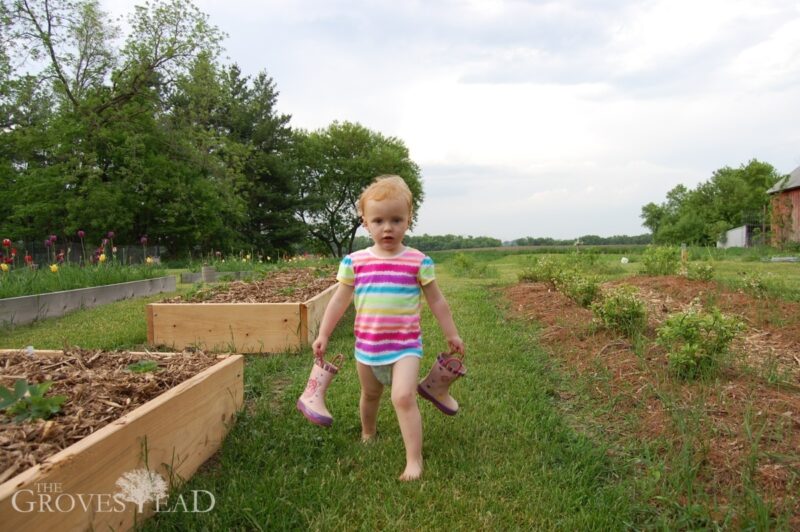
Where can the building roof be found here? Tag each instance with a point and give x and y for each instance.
(787, 183)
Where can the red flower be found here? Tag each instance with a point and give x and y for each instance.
(28, 259)
(6, 243)
(13, 252)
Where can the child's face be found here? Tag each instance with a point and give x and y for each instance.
(387, 222)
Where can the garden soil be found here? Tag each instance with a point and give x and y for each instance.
(279, 286)
(749, 416)
(99, 389)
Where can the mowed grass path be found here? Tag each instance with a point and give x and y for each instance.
(508, 460)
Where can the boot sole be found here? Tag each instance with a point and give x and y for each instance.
(437, 404)
(313, 417)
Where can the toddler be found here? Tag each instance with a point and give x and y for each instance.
(385, 281)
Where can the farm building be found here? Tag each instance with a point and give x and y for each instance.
(739, 237)
(786, 209)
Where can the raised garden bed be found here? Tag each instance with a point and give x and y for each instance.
(62, 474)
(210, 275)
(26, 309)
(282, 312)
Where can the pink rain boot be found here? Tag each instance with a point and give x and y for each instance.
(435, 387)
(312, 403)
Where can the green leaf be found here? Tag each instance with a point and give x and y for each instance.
(20, 388)
(143, 366)
(6, 398)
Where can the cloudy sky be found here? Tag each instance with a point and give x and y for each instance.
(537, 118)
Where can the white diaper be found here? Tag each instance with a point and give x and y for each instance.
(383, 373)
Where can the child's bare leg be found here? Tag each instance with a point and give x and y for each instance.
(404, 398)
(371, 390)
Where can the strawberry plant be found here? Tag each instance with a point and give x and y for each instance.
(27, 401)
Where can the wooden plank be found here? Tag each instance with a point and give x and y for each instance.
(312, 312)
(149, 315)
(181, 428)
(235, 327)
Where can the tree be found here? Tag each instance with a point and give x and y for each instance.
(333, 166)
(730, 198)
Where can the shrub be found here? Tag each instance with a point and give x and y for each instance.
(622, 310)
(696, 340)
(661, 260)
(541, 270)
(700, 271)
(466, 265)
(582, 289)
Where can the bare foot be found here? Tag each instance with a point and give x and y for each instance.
(368, 438)
(413, 471)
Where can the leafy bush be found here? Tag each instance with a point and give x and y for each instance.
(622, 310)
(582, 289)
(583, 259)
(696, 340)
(466, 266)
(27, 401)
(541, 270)
(700, 271)
(661, 260)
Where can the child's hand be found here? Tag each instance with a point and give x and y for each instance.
(457, 345)
(319, 346)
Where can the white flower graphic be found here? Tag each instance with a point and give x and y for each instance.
(141, 486)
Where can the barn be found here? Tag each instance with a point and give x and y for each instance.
(786, 209)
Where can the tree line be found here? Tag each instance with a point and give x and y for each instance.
(732, 197)
(155, 135)
(587, 240)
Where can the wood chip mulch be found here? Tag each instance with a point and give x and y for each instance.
(280, 286)
(99, 389)
(760, 387)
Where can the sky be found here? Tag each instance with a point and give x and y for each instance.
(536, 118)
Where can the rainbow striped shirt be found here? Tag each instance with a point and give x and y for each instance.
(387, 301)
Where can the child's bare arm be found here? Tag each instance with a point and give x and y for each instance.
(333, 313)
(441, 311)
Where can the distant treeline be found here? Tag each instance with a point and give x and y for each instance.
(445, 242)
(586, 240)
(438, 242)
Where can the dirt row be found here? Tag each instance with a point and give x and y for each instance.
(758, 393)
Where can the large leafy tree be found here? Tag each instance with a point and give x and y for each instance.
(730, 198)
(98, 156)
(334, 165)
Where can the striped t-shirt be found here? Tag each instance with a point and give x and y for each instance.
(387, 301)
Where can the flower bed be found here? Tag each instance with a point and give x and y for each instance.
(26, 309)
(70, 472)
(278, 313)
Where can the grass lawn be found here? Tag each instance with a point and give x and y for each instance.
(517, 456)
